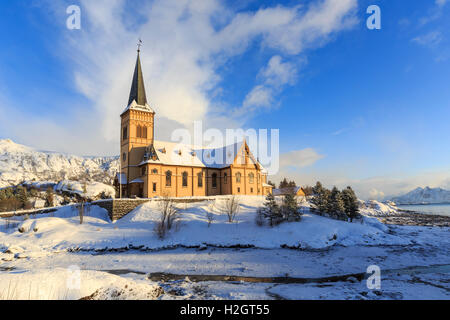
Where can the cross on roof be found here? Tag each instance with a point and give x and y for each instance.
(139, 45)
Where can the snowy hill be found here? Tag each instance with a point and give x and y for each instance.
(20, 163)
(424, 196)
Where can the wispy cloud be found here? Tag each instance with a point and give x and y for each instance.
(185, 44)
(273, 78)
(300, 158)
(431, 39)
(377, 188)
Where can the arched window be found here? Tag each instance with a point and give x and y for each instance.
(124, 156)
(125, 133)
(138, 131)
(225, 178)
(214, 180)
(185, 179)
(251, 178)
(168, 178)
(238, 177)
(144, 171)
(144, 132)
(200, 179)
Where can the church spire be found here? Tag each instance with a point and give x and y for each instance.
(137, 88)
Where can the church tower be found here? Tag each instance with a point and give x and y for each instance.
(136, 134)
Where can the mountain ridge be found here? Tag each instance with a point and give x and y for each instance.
(19, 163)
(425, 195)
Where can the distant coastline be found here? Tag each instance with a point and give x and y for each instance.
(442, 209)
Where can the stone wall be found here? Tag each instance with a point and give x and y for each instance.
(118, 208)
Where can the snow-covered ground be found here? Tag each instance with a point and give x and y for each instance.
(377, 209)
(324, 247)
(89, 190)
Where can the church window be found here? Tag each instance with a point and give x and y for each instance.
(214, 180)
(238, 177)
(154, 186)
(144, 132)
(168, 178)
(124, 156)
(155, 171)
(125, 133)
(239, 190)
(139, 132)
(200, 180)
(251, 190)
(185, 179)
(225, 178)
(251, 178)
(144, 171)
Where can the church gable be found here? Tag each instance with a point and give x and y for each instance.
(245, 158)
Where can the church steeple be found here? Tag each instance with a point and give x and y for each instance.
(137, 88)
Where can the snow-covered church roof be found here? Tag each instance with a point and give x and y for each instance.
(171, 153)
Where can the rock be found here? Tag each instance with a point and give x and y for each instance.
(7, 257)
(14, 250)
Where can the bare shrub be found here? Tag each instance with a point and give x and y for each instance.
(168, 216)
(81, 212)
(231, 208)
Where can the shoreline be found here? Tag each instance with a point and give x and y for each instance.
(413, 218)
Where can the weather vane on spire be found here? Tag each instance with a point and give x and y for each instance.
(139, 45)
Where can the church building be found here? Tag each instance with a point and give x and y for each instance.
(152, 168)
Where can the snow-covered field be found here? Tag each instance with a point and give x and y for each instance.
(51, 244)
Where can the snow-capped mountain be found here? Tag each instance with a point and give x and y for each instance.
(19, 163)
(424, 196)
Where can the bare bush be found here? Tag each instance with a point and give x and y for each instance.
(210, 214)
(168, 216)
(81, 212)
(232, 207)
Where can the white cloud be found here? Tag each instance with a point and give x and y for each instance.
(377, 188)
(278, 73)
(430, 39)
(441, 3)
(300, 158)
(260, 96)
(273, 78)
(185, 44)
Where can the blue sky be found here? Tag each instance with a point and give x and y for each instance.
(369, 108)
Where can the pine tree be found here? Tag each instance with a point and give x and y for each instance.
(290, 208)
(292, 184)
(22, 196)
(320, 199)
(351, 203)
(324, 201)
(284, 184)
(49, 197)
(336, 204)
(270, 212)
(271, 183)
(318, 188)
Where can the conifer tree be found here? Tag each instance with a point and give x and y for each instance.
(22, 196)
(351, 203)
(270, 212)
(284, 184)
(290, 208)
(336, 204)
(49, 197)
